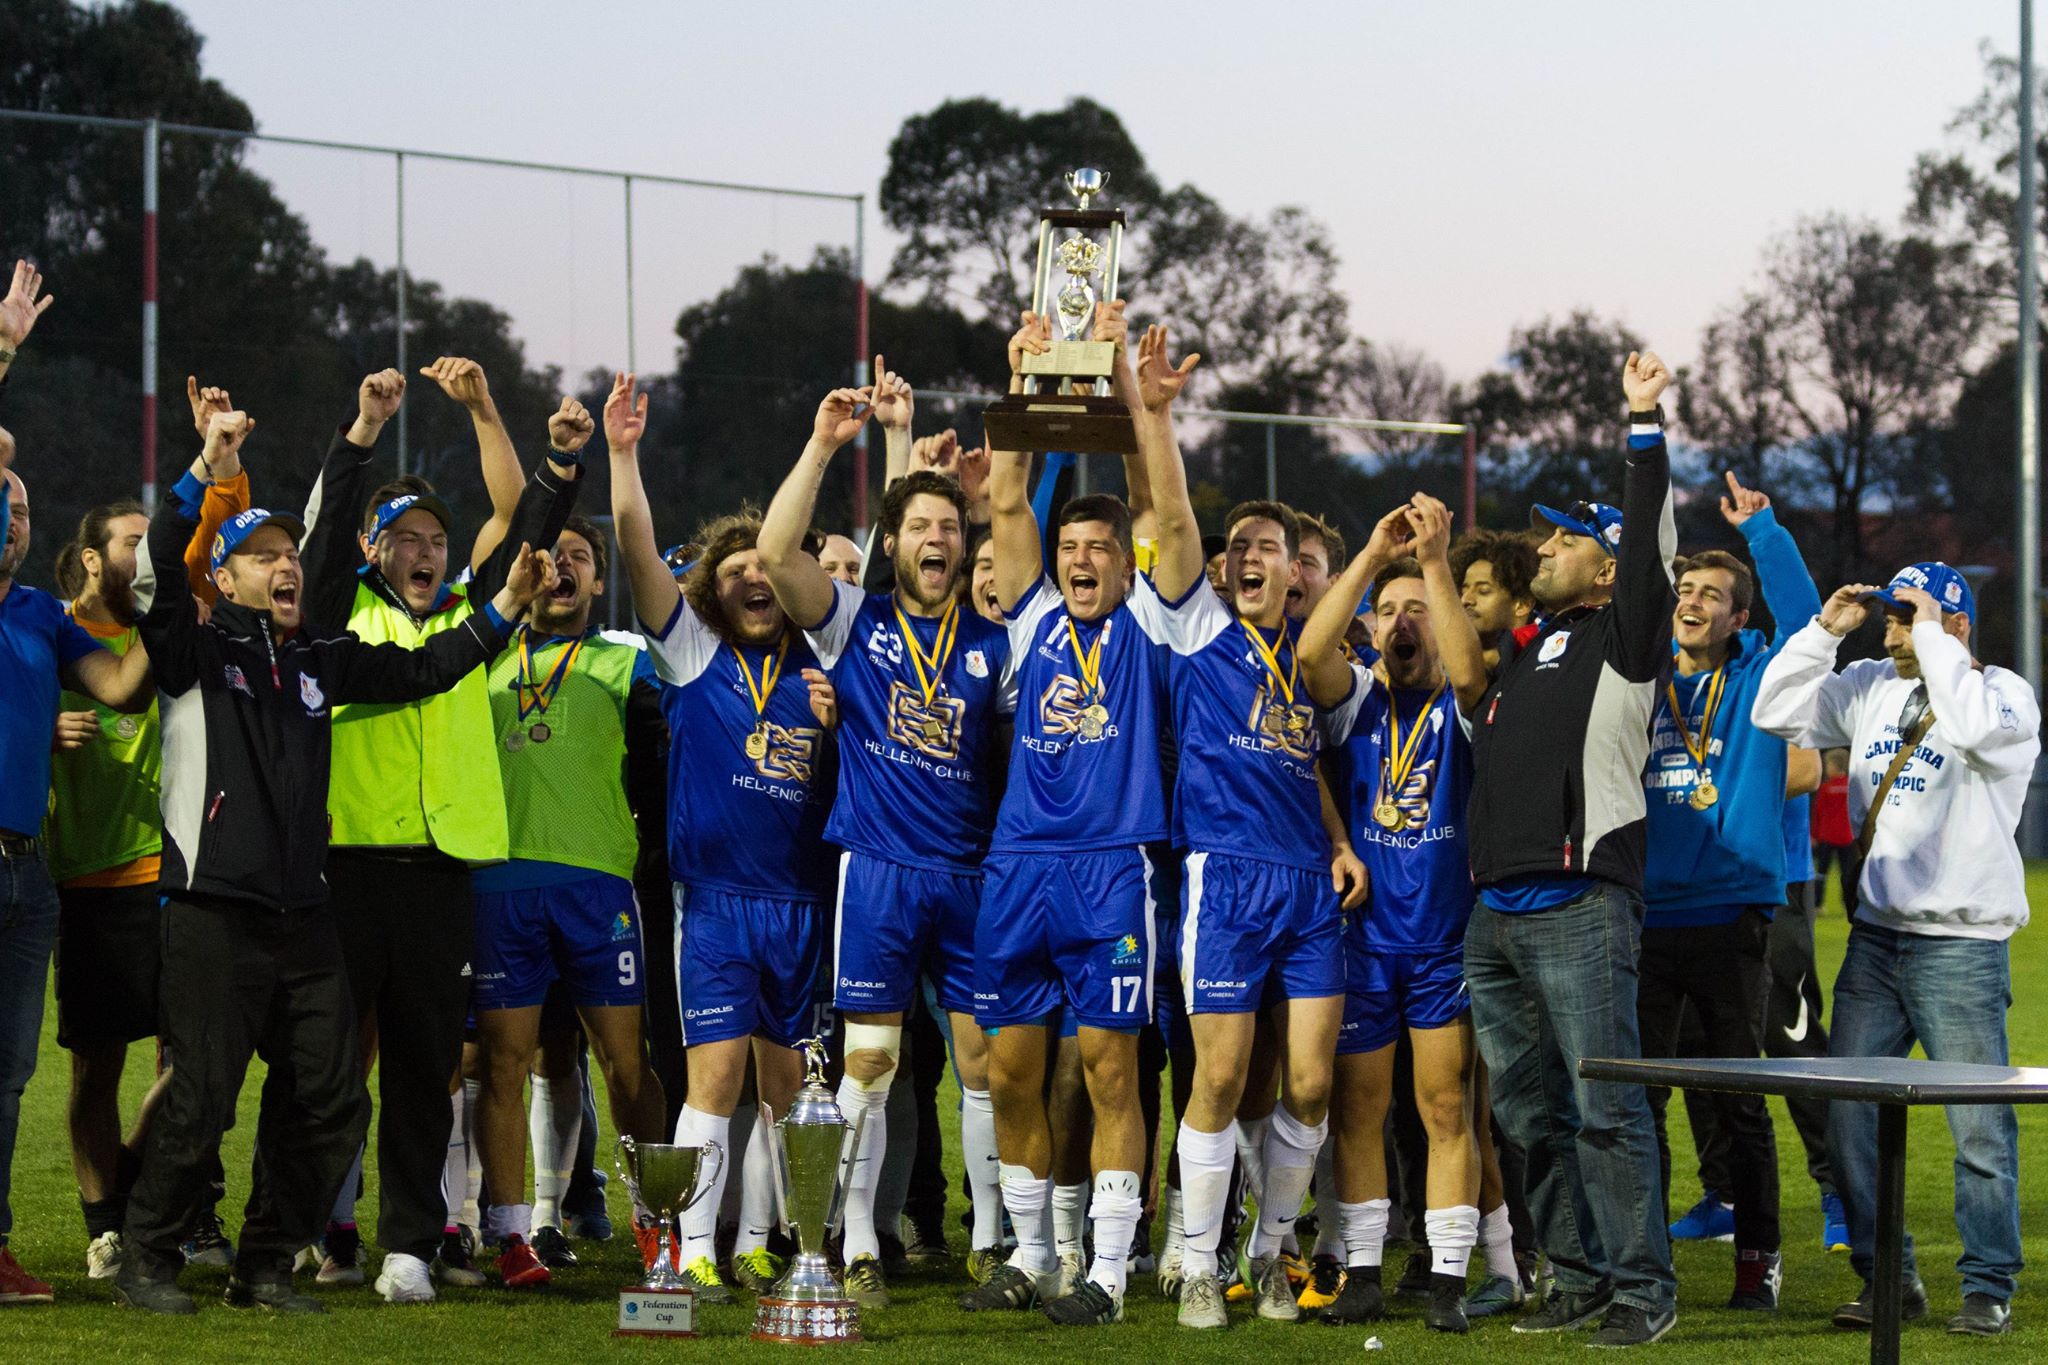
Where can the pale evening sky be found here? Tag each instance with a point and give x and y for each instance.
(1477, 164)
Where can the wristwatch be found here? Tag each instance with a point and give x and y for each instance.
(7, 356)
(1647, 417)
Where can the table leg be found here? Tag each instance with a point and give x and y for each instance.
(1885, 1287)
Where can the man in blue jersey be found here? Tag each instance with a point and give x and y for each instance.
(746, 827)
(921, 682)
(1067, 909)
(1261, 922)
(1408, 755)
(1715, 788)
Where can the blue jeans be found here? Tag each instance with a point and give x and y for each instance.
(28, 931)
(1548, 989)
(1950, 995)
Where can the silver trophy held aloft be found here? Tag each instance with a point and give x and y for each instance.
(1066, 403)
(662, 1177)
(815, 1151)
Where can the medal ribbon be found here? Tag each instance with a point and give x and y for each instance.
(1714, 687)
(931, 669)
(535, 698)
(1090, 659)
(771, 673)
(1400, 756)
(1272, 660)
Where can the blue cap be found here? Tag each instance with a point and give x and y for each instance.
(399, 506)
(678, 559)
(246, 524)
(1949, 589)
(1594, 520)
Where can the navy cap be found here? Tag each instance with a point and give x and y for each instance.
(1595, 520)
(246, 524)
(1949, 589)
(399, 506)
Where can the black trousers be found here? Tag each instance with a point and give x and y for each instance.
(407, 926)
(240, 980)
(661, 1010)
(1847, 861)
(1719, 971)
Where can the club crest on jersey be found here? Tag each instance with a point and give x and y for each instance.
(933, 730)
(622, 926)
(1283, 727)
(790, 756)
(238, 680)
(1062, 711)
(310, 693)
(1553, 646)
(1125, 953)
(976, 662)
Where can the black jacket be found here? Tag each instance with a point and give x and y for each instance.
(1560, 739)
(245, 728)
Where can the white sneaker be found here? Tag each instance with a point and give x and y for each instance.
(405, 1279)
(1073, 1270)
(103, 1257)
(1201, 1302)
(1170, 1271)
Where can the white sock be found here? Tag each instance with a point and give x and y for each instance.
(554, 1120)
(1069, 1218)
(860, 1238)
(1250, 1138)
(984, 1169)
(757, 1185)
(1176, 1229)
(1452, 1234)
(1027, 1196)
(1365, 1231)
(742, 1142)
(1205, 1160)
(455, 1165)
(1291, 1148)
(1116, 1209)
(694, 1128)
(1497, 1239)
(473, 1176)
(1329, 1227)
(512, 1220)
(345, 1202)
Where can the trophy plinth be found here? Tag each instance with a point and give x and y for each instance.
(815, 1152)
(665, 1180)
(645, 1312)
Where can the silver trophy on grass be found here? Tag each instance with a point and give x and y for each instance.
(662, 1178)
(815, 1151)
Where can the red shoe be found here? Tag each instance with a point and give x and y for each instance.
(648, 1235)
(17, 1285)
(519, 1267)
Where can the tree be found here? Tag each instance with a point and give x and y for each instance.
(1969, 195)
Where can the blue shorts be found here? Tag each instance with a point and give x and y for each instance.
(585, 932)
(745, 965)
(1386, 989)
(896, 923)
(1254, 933)
(1065, 929)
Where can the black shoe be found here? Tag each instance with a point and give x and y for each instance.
(551, 1247)
(1007, 1289)
(1567, 1312)
(271, 1296)
(1857, 1314)
(1628, 1325)
(1088, 1304)
(895, 1259)
(1982, 1316)
(136, 1290)
(1446, 1304)
(1414, 1281)
(1360, 1299)
(1759, 1276)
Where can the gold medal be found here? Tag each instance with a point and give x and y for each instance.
(1094, 718)
(1400, 761)
(536, 696)
(515, 740)
(934, 730)
(757, 744)
(931, 668)
(1704, 794)
(1292, 723)
(539, 733)
(1390, 816)
(1092, 721)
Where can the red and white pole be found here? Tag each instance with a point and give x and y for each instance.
(151, 136)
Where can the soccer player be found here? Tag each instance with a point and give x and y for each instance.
(921, 683)
(1318, 562)
(1559, 866)
(1260, 918)
(1493, 570)
(1409, 772)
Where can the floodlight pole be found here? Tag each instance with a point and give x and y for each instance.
(403, 372)
(632, 362)
(152, 136)
(2027, 643)
(860, 364)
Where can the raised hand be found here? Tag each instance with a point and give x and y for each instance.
(1643, 379)
(625, 414)
(1159, 379)
(21, 307)
(1392, 536)
(1925, 608)
(75, 730)
(1111, 324)
(1739, 504)
(570, 426)
(225, 432)
(462, 380)
(940, 453)
(841, 416)
(824, 698)
(972, 471)
(205, 402)
(378, 396)
(533, 573)
(1431, 522)
(1847, 609)
(1032, 337)
(893, 400)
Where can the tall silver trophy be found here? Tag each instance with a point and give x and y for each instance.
(662, 1178)
(815, 1151)
(1066, 403)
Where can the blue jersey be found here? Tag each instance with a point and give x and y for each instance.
(1078, 783)
(1247, 778)
(914, 779)
(743, 814)
(1422, 890)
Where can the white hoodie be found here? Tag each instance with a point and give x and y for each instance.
(1944, 861)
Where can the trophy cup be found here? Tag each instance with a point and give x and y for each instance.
(815, 1151)
(1076, 412)
(662, 1177)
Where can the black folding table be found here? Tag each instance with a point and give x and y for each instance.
(1891, 1083)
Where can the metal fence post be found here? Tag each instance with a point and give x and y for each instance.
(632, 363)
(1272, 463)
(403, 447)
(151, 145)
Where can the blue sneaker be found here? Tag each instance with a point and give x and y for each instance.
(1710, 1220)
(1834, 1230)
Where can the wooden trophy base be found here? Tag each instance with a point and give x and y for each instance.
(806, 1322)
(645, 1312)
(1081, 423)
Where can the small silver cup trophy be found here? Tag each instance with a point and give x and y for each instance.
(815, 1151)
(662, 1177)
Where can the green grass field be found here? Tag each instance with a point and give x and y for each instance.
(576, 1314)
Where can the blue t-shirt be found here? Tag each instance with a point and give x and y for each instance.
(37, 638)
(736, 822)
(1067, 790)
(1422, 890)
(914, 780)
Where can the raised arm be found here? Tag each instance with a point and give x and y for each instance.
(800, 582)
(399, 673)
(20, 308)
(1800, 698)
(1780, 569)
(1020, 553)
(1993, 721)
(1320, 648)
(545, 502)
(330, 553)
(895, 405)
(1457, 639)
(227, 494)
(655, 590)
(1644, 597)
(169, 629)
(1159, 382)
(465, 382)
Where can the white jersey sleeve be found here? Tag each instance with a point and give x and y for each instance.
(1990, 716)
(829, 638)
(1028, 618)
(1338, 722)
(1187, 626)
(1801, 699)
(683, 648)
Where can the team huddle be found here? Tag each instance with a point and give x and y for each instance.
(1486, 806)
